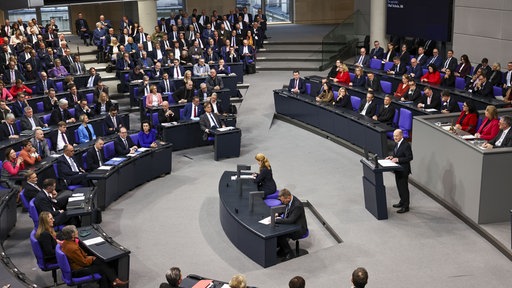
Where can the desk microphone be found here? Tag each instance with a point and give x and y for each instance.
(236, 210)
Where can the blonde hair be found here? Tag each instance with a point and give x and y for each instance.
(44, 224)
(264, 161)
(238, 281)
(493, 112)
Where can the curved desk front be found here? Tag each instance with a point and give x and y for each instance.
(257, 241)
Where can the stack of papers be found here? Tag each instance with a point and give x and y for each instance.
(225, 128)
(92, 241)
(241, 177)
(387, 163)
(77, 198)
(265, 221)
(105, 167)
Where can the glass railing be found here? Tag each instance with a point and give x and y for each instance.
(342, 40)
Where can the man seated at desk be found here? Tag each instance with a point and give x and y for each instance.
(386, 112)
(297, 85)
(40, 144)
(185, 93)
(95, 157)
(216, 105)
(204, 93)
(173, 277)
(430, 100)
(166, 85)
(61, 114)
(504, 137)
(29, 153)
(213, 82)
(165, 115)
(62, 137)
(83, 109)
(201, 69)
(112, 121)
(123, 144)
(47, 200)
(209, 121)
(51, 102)
(29, 122)
(449, 105)
(294, 214)
(368, 107)
(4, 110)
(8, 129)
(68, 168)
(31, 188)
(193, 110)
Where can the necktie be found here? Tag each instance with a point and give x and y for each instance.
(13, 76)
(233, 41)
(177, 74)
(45, 87)
(195, 111)
(191, 36)
(125, 143)
(91, 82)
(142, 37)
(446, 63)
(11, 130)
(114, 122)
(64, 138)
(502, 137)
(226, 23)
(433, 59)
(39, 151)
(70, 60)
(78, 68)
(167, 86)
(196, 28)
(397, 68)
(396, 148)
(73, 165)
(212, 119)
(50, 36)
(360, 60)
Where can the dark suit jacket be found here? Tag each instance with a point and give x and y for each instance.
(43, 203)
(164, 119)
(366, 60)
(414, 96)
(435, 102)
(301, 85)
(187, 113)
(26, 125)
(17, 108)
(69, 135)
(374, 85)
(451, 106)
(79, 111)
(183, 93)
(379, 53)
(385, 115)
(507, 142)
(7, 76)
(417, 71)
(97, 107)
(109, 124)
(120, 148)
(400, 70)
(56, 116)
(452, 64)
(485, 90)
(4, 131)
(92, 159)
(48, 106)
(296, 215)
(265, 181)
(404, 155)
(40, 86)
(344, 102)
(64, 168)
(372, 108)
(30, 191)
(204, 121)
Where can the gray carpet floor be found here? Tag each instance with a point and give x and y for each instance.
(173, 221)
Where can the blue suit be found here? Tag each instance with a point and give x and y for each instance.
(40, 86)
(301, 85)
(83, 136)
(96, 36)
(417, 71)
(187, 111)
(437, 61)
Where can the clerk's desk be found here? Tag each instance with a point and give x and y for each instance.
(459, 95)
(130, 173)
(193, 279)
(109, 251)
(343, 123)
(257, 241)
(470, 180)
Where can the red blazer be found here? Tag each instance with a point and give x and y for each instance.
(400, 91)
(6, 95)
(432, 78)
(343, 77)
(489, 131)
(469, 123)
(15, 90)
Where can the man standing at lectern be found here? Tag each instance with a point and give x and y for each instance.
(402, 155)
(294, 214)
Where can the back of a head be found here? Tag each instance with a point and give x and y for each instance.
(359, 277)
(173, 277)
(297, 282)
(238, 281)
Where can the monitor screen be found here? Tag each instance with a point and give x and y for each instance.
(431, 19)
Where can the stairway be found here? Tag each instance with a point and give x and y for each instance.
(287, 56)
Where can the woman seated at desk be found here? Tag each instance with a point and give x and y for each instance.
(359, 78)
(464, 67)
(448, 79)
(20, 88)
(490, 125)
(432, 76)
(326, 96)
(264, 179)
(11, 166)
(342, 76)
(103, 105)
(82, 264)
(468, 118)
(4, 93)
(147, 136)
(28, 153)
(47, 237)
(85, 131)
(343, 99)
(402, 88)
(153, 99)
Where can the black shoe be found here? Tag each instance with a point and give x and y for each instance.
(403, 210)
(280, 253)
(397, 205)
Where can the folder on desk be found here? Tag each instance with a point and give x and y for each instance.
(115, 161)
(203, 284)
